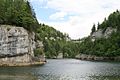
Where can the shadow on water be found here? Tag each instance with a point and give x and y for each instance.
(17, 77)
(17, 73)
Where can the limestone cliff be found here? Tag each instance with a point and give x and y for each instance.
(100, 33)
(16, 45)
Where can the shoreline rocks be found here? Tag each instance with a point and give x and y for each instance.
(96, 58)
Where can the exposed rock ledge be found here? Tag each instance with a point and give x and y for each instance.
(17, 47)
(96, 58)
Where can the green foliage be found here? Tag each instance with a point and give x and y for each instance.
(93, 29)
(112, 21)
(109, 47)
(19, 13)
(38, 52)
(102, 47)
(56, 42)
(98, 26)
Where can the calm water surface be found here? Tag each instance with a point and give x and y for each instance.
(64, 69)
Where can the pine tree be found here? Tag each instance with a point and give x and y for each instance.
(98, 26)
(93, 29)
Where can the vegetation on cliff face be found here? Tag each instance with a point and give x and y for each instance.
(104, 46)
(19, 13)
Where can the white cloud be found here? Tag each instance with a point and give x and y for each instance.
(82, 6)
(58, 16)
(86, 12)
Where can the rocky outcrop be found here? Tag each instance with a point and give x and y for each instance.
(85, 57)
(60, 56)
(100, 33)
(16, 45)
(96, 58)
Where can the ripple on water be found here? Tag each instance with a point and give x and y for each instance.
(67, 69)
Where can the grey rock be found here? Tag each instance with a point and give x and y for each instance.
(103, 34)
(60, 56)
(14, 41)
(16, 44)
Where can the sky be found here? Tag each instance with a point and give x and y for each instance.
(74, 17)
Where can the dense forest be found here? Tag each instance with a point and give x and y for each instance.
(19, 13)
(108, 47)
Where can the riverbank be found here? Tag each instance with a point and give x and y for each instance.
(96, 58)
(22, 64)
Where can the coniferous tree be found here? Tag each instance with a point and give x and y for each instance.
(98, 26)
(93, 29)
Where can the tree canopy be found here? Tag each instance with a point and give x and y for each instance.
(56, 42)
(19, 13)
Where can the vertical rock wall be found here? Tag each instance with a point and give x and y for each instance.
(16, 44)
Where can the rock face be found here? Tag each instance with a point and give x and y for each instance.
(103, 34)
(60, 56)
(16, 45)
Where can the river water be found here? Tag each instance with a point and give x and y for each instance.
(64, 69)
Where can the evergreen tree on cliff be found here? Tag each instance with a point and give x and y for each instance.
(93, 29)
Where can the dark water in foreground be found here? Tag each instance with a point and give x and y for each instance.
(64, 69)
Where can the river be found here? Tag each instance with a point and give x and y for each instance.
(64, 69)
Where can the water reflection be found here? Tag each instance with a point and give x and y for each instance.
(17, 77)
(64, 69)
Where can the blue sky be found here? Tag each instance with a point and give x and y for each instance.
(74, 17)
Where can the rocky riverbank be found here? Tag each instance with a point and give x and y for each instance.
(96, 58)
(22, 64)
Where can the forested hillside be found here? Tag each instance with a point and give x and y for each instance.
(109, 45)
(56, 42)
